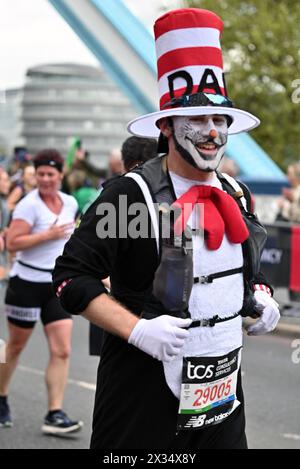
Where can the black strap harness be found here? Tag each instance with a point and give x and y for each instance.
(212, 321)
(205, 279)
(210, 278)
(156, 176)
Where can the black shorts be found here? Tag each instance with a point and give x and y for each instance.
(26, 302)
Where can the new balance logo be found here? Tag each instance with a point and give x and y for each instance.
(2, 351)
(196, 422)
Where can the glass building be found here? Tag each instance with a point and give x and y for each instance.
(62, 101)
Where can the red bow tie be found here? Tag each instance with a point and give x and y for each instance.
(221, 214)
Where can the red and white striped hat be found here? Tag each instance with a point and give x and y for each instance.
(190, 72)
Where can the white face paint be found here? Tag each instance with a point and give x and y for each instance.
(204, 138)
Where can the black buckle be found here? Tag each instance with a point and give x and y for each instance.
(213, 321)
(206, 322)
(209, 322)
(204, 279)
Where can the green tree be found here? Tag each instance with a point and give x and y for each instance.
(261, 50)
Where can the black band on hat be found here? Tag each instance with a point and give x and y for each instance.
(48, 162)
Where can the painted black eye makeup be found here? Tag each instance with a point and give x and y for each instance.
(219, 120)
(198, 119)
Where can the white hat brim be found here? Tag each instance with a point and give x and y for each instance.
(145, 126)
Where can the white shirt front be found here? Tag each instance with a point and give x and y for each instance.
(35, 212)
(223, 297)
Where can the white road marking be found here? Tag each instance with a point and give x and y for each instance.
(291, 436)
(80, 384)
(31, 370)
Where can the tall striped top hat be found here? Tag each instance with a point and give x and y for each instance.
(190, 72)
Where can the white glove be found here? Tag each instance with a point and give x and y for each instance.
(162, 337)
(270, 314)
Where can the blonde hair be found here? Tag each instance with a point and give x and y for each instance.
(295, 168)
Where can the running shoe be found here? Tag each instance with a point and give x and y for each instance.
(60, 424)
(5, 417)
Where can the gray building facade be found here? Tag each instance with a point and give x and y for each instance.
(11, 120)
(63, 101)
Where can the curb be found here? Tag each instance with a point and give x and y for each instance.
(290, 330)
(283, 328)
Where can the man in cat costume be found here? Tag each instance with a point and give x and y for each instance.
(169, 375)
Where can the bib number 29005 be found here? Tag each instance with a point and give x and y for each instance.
(211, 393)
(208, 390)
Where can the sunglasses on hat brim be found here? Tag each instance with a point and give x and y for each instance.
(199, 99)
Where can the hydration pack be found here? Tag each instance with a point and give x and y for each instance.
(174, 280)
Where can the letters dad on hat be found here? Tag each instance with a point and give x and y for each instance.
(190, 72)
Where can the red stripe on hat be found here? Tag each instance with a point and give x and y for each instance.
(180, 58)
(187, 18)
(166, 98)
(295, 259)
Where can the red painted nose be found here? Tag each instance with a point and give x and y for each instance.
(213, 133)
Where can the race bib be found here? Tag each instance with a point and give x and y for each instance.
(208, 390)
